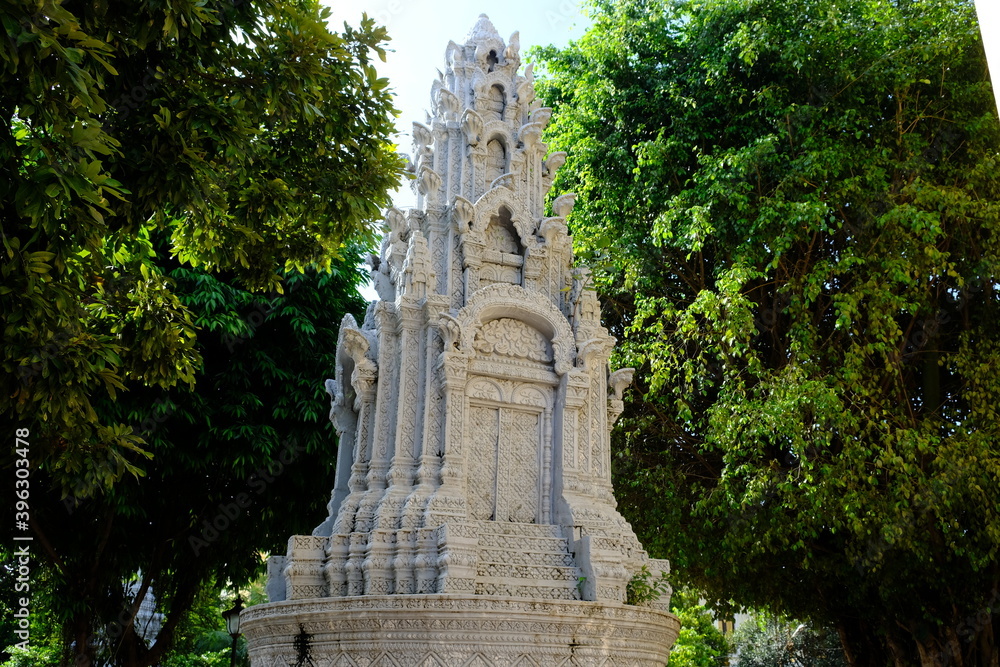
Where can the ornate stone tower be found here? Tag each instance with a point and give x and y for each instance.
(472, 520)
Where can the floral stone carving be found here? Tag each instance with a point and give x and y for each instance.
(472, 520)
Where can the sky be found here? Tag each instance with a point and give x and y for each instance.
(420, 31)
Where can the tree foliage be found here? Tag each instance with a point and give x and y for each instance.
(242, 137)
(202, 640)
(186, 191)
(238, 464)
(794, 211)
(700, 643)
(770, 641)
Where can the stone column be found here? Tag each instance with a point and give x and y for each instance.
(399, 554)
(449, 500)
(345, 423)
(363, 378)
(417, 550)
(385, 400)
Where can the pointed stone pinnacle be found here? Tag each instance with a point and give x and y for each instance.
(482, 31)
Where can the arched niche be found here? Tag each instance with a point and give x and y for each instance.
(503, 252)
(489, 89)
(490, 204)
(513, 301)
(501, 235)
(504, 231)
(496, 103)
(497, 159)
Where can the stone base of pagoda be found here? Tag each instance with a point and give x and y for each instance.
(456, 631)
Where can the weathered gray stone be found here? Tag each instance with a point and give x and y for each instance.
(472, 502)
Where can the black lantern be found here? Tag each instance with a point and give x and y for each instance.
(232, 618)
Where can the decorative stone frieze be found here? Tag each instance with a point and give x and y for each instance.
(472, 520)
(460, 631)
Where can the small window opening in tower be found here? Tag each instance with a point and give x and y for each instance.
(496, 160)
(491, 61)
(501, 234)
(497, 102)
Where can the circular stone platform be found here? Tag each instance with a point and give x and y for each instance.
(458, 631)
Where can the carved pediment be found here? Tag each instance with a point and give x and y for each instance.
(508, 337)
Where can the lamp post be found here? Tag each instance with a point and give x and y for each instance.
(232, 618)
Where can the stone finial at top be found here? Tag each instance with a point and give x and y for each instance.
(483, 31)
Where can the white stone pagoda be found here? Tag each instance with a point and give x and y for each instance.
(472, 520)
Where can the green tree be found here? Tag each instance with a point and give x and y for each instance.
(238, 464)
(700, 643)
(202, 640)
(186, 192)
(769, 641)
(242, 137)
(794, 209)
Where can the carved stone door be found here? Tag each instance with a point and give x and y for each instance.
(510, 397)
(505, 463)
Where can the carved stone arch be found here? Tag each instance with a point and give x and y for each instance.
(489, 53)
(489, 204)
(497, 129)
(497, 158)
(513, 301)
(482, 85)
(485, 389)
(527, 394)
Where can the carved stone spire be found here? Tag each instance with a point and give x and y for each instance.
(482, 32)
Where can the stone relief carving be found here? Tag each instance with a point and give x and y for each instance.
(496, 102)
(500, 237)
(496, 159)
(509, 337)
(484, 424)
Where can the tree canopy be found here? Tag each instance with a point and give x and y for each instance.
(770, 641)
(794, 212)
(238, 137)
(238, 464)
(187, 191)
(700, 643)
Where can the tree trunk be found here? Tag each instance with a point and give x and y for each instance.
(900, 654)
(862, 647)
(989, 652)
(183, 594)
(81, 653)
(932, 656)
